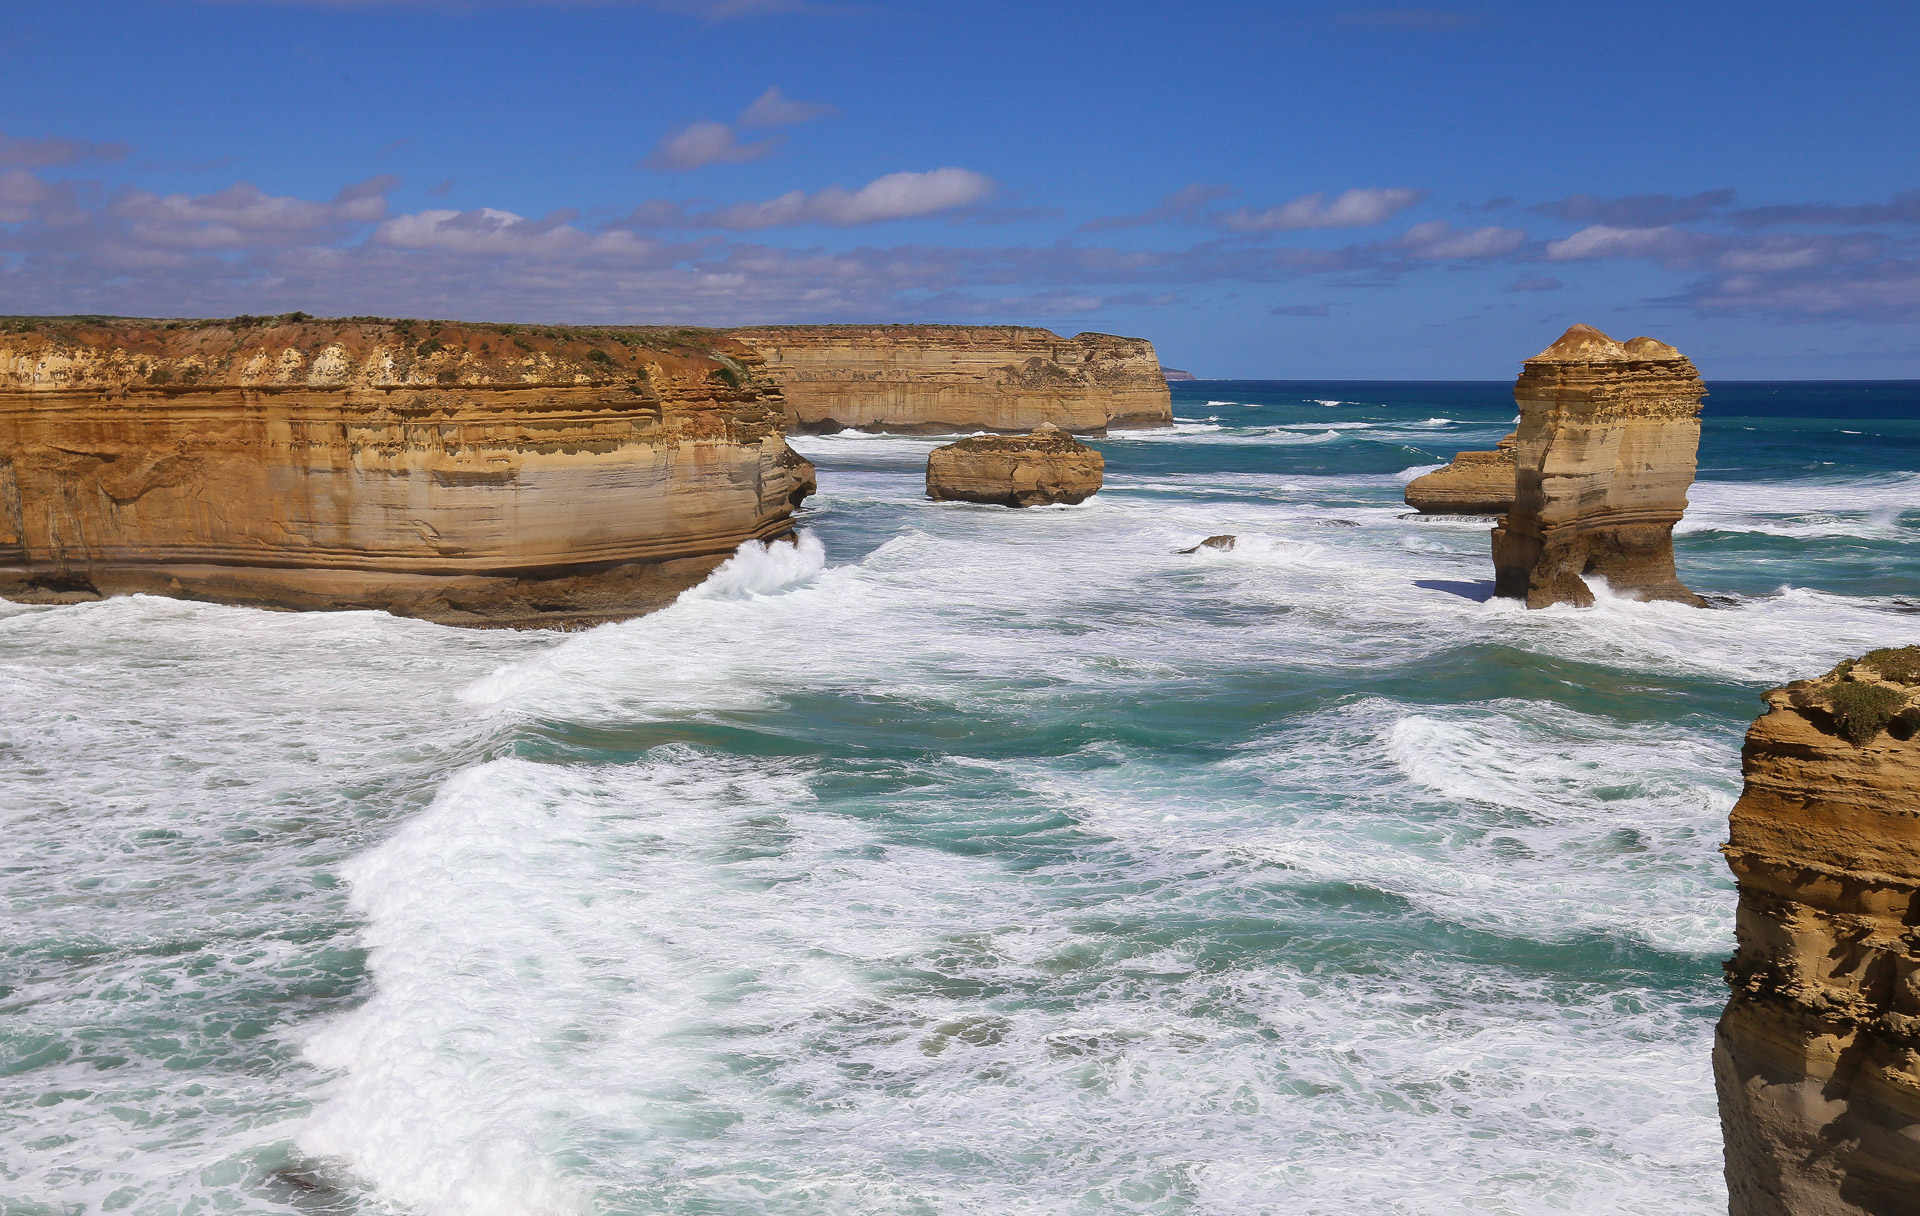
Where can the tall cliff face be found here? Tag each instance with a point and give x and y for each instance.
(471, 474)
(932, 379)
(1817, 1059)
(1608, 439)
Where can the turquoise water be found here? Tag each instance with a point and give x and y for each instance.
(957, 860)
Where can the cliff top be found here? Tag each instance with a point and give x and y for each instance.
(1585, 344)
(296, 350)
(1044, 438)
(1862, 697)
(913, 330)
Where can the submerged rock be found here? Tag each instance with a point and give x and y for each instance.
(1476, 483)
(1609, 434)
(1046, 466)
(1224, 543)
(1817, 1058)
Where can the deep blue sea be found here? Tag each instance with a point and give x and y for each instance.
(956, 861)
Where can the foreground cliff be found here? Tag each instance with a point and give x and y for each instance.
(471, 474)
(1608, 439)
(1817, 1059)
(932, 379)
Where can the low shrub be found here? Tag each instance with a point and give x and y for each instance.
(1900, 665)
(1861, 711)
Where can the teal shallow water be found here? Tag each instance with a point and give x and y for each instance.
(958, 860)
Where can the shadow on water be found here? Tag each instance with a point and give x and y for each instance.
(1478, 590)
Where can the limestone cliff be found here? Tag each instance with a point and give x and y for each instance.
(471, 474)
(1046, 466)
(1476, 483)
(932, 379)
(1609, 434)
(1817, 1058)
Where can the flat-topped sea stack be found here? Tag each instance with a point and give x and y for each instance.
(939, 379)
(1476, 483)
(470, 474)
(1046, 466)
(1817, 1058)
(1608, 439)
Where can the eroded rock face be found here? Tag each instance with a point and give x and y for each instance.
(1609, 434)
(1476, 483)
(1047, 466)
(1817, 1058)
(484, 475)
(935, 379)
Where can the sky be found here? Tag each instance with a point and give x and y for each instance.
(1273, 190)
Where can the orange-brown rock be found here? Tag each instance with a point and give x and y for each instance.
(1608, 439)
(1046, 466)
(938, 379)
(471, 474)
(1817, 1058)
(1476, 483)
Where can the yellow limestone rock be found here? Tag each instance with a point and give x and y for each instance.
(470, 474)
(1476, 483)
(938, 379)
(1606, 449)
(1047, 466)
(1817, 1058)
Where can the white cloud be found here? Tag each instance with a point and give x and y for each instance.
(893, 197)
(1354, 209)
(706, 143)
(1603, 241)
(244, 216)
(1436, 240)
(490, 232)
(775, 109)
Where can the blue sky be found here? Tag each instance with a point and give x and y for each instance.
(1284, 190)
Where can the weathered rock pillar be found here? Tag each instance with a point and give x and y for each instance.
(1817, 1058)
(1606, 448)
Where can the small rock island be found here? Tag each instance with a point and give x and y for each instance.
(1043, 467)
(1475, 483)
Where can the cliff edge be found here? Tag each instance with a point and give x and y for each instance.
(1608, 440)
(1817, 1058)
(938, 379)
(469, 474)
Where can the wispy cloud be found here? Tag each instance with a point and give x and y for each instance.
(893, 197)
(775, 109)
(1354, 209)
(1438, 240)
(706, 142)
(1635, 210)
(1182, 206)
(47, 153)
(1904, 209)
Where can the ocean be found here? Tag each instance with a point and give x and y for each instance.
(956, 860)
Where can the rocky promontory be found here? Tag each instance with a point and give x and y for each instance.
(1475, 483)
(1046, 466)
(1817, 1058)
(937, 379)
(470, 474)
(1608, 439)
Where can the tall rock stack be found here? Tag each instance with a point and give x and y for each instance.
(469, 474)
(1817, 1059)
(1608, 438)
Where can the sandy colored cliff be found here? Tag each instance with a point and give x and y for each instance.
(472, 474)
(1817, 1058)
(1474, 483)
(937, 379)
(1043, 467)
(1608, 440)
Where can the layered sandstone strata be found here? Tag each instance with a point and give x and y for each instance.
(1609, 434)
(937, 379)
(1046, 466)
(1817, 1058)
(471, 474)
(1476, 483)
